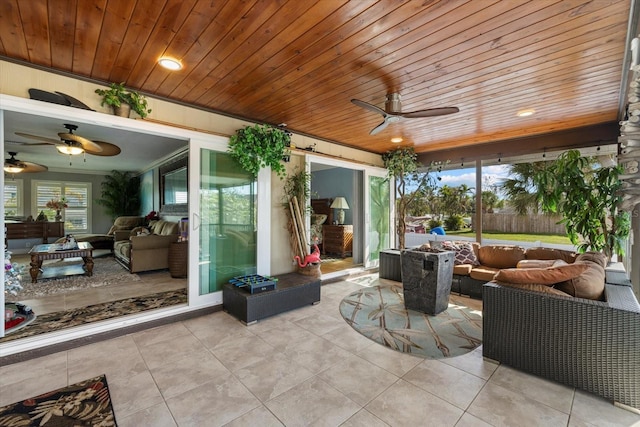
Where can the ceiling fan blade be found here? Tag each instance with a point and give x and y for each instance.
(28, 143)
(38, 138)
(108, 149)
(379, 128)
(33, 167)
(430, 112)
(87, 144)
(369, 107)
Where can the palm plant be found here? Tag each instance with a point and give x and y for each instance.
(521, 190)
(120, 194)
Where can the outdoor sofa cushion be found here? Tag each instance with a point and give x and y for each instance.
(500, 256)
(542, 276)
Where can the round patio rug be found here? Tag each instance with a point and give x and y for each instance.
(379, 314)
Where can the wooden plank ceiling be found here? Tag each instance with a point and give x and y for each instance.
(301, 62)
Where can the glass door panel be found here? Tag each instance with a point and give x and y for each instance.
(378, 218)
(227, 221)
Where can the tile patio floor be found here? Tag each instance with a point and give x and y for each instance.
(304, 367)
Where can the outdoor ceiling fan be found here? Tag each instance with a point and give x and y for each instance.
(73, 144)
(13, 165)
(393, 111)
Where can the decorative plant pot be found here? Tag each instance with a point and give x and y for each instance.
(312, 269)
(426, 280)
(123, 110)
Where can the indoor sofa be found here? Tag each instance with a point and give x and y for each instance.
(585, 343)
(147, 249)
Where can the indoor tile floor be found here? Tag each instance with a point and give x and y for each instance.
(303, 367)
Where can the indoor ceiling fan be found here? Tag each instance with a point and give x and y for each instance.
(13, 165)
(393, 111)
(73, 144)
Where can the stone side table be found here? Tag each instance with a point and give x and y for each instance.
(426, 280)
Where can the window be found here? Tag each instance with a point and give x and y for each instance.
(76, 215)
(13, 198)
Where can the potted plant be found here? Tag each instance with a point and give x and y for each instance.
(121, 100)
(402, 166)
(120, 194)
(259, 146)
(588, 198)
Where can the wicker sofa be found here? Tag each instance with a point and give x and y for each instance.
(468, 278)
(588, 344)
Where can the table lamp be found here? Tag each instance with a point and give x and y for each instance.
(341, 204)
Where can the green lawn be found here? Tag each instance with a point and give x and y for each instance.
(519, 237)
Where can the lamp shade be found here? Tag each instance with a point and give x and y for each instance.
(339, 203)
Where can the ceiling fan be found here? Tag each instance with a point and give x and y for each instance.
(13, 165)
(392, 112)
(73, 144)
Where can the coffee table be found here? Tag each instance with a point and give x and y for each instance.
(40, 253)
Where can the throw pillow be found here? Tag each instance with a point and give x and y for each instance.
(465, 254)
(589, 285)
(542, 276)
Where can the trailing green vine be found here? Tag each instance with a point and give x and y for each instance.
(255, 147)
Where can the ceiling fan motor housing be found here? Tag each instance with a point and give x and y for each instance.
(392, 103)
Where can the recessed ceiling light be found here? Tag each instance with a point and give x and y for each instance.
(170, 63)
(396, 139)
(526, 113)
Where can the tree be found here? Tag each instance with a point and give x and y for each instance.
(456, 200)
(489, 201)
(402, 166)
(588, 198)
(521, 190)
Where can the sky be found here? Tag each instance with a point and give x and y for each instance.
(490, 174)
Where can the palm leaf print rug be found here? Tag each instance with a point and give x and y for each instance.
(378, 313)
(86, 403)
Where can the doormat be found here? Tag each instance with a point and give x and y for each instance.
(86, 403)
(94, 313)
(378, 313)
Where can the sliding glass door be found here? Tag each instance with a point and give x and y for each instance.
(223, 221)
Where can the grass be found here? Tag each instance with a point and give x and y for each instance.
(517, 237)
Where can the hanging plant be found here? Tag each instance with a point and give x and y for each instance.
(255, 147)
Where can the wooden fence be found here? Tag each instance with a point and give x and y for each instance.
(514, 223)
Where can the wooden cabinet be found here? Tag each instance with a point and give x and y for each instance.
(34, 230)
(337, 239)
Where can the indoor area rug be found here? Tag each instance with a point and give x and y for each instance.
(106, 271)
(97, 312)
(86, 403)
(378, 313)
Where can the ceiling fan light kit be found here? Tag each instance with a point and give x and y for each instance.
(393, 111)
(13, 165)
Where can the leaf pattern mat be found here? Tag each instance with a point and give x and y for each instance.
(378, 313)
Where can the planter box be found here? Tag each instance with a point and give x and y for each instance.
(293, 291)
(426, 280)
(390, 265)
